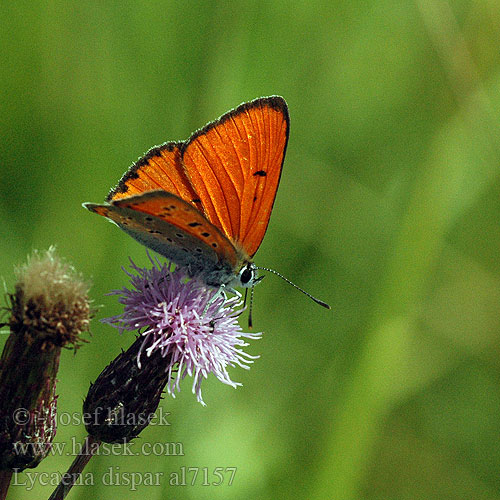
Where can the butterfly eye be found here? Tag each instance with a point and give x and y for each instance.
(247, 275)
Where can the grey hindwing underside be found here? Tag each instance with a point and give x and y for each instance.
(188, 252)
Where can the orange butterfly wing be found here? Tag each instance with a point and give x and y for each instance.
(234, 165)
(229, 170)
(159, 169)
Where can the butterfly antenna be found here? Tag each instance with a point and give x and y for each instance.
(245, 298)
(320, 302)
(250, 322)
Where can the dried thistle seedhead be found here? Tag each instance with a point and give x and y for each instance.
(51, 303)
(50, 309)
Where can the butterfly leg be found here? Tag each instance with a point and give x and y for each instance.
(221, 291)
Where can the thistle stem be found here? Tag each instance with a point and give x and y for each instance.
(89, 448)
(5, 477)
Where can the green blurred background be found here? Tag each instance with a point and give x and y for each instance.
(388, 209)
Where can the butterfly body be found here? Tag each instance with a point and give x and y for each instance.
(205, 203)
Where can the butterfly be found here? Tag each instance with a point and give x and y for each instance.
(205, 203)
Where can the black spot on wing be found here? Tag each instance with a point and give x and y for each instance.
(260, 173)
(167, 211)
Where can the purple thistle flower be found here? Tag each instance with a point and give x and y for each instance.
(171, 314)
